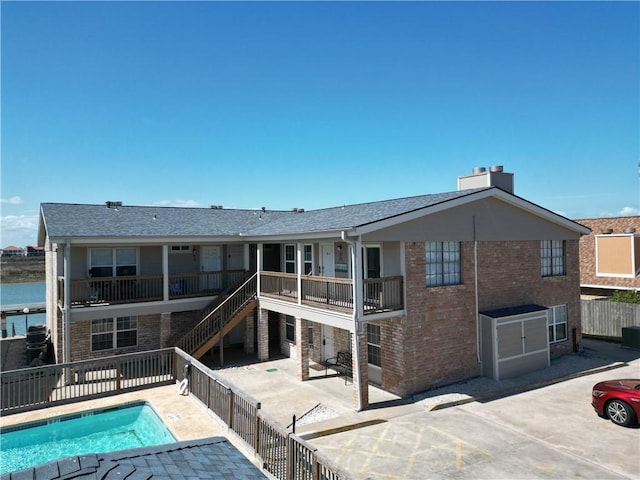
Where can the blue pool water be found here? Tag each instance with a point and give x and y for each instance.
(101, 431)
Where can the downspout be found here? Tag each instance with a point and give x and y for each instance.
(475, 289)
(67, 302)
(357, 307)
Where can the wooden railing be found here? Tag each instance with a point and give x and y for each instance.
(215, 318)
(50, 385)
(147, 288)
(379, 294)
(281, 453)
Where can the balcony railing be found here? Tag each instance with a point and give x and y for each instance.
(147, 288)
(379, 294)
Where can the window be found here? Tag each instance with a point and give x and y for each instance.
(374, 351)
(290, 328)
(290, 258)
(180, 249)
(310, 334)
(557, 323)
(308, 259)
(110, 333)
(443, 263)
(552, 254)
(112, 262)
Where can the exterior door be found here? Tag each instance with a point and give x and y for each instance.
(327, 342)
(327, 260)
(211, 261)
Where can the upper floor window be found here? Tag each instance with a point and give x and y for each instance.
(112, 262)
(552, 254)
(444, 265)
(290, 258)
(110, 333)
(557, 323)
(308, 259)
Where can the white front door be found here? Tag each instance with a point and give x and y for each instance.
(327, 260)
(211, 261)
(327, 342)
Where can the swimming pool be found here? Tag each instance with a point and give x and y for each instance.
(98, 431)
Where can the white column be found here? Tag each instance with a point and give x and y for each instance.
(165, 272)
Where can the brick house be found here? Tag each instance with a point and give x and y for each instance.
(610, 255)
(422, 291)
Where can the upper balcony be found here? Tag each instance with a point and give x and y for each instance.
(147, 288)
(379, 294)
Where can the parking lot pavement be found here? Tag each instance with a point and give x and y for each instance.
(547, 432)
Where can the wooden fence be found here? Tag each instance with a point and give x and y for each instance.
(604, 318)
(281, 453)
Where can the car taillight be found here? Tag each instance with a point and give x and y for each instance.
(598, 393)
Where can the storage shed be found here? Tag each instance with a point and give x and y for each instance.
(514, 341)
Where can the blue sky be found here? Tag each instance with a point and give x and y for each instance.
(315, 104)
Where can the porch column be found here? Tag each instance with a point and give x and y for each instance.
(302, 349)
(299, 270)
(249, 332)
(263, 334)
(165, 329)
(165, 272)
(360, 371)
(67, 303)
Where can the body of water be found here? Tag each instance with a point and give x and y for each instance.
(88, 432)
(17, 293)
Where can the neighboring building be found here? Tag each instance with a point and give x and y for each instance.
(31, 251)
(423, 291)
(12, 251)
(610, 255)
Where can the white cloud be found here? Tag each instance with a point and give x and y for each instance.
(179, 202)
(628, 212)
(15, 200)
(19, 230)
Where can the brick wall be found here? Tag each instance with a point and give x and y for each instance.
(148, 339)
(588, 250)
(436, 344)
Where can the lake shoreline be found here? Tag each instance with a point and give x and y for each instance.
(22, 269)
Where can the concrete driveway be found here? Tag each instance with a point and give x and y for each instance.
(539, 426)
(550, 432)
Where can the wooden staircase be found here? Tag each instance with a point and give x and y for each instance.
(220, 317)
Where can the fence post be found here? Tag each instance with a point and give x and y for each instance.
(230, 412)
(289, 473)
(118, 374)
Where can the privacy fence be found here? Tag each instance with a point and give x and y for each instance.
(604, 318)
(281, 453)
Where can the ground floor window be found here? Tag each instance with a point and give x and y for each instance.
(110, 333)
(310, 334)
(557, 323)
(290, 328)
(374, 351)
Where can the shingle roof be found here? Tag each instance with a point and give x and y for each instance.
(211, 458)
(78, 220)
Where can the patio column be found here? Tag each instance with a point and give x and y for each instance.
(263, 334)
(165, 329)
(360, 371)
(302, 349)
(249, 333)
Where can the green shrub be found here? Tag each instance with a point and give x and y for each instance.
(626, 296)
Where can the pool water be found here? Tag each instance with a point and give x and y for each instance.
(100, 431)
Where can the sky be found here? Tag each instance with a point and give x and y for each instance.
(315, 104)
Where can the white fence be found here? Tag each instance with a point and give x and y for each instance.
(604, 318)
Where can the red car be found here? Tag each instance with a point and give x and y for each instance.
(618, 400)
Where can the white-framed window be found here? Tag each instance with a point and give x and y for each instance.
(113, 262)
(372, 261)
(290, 259)
(444, 264)
(308, 259)
(111, 333)
(374, 347)
(290, 328)
(552, 255)
(557, 323)
(180, 249)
